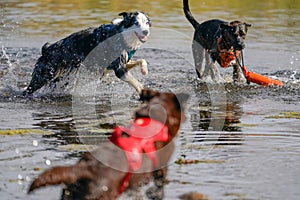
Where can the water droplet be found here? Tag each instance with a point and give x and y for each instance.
(48, 162)
(35, 143)
(27, 178)
(17, 150)
(20, 177)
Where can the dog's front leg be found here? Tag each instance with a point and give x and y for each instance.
(236, 76)
(215, 74)
(157, 192)
(135, 63)
(211, 68)
(121, 71)
(127, 77)
(237, 70)
(207, 66)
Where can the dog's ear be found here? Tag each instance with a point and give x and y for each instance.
(247, 25)
(148, 94)
(128, 18)
(124, 14)
(181, 100)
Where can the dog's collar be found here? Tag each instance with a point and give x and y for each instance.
(139, 138)
(130, 54)
(226, 56)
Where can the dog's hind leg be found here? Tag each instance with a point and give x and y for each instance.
(42, 74)
(157, 191)
(62, 174)
(198, 54)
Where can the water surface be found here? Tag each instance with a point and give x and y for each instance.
(246, 135)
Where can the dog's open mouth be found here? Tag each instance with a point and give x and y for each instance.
(142, 38)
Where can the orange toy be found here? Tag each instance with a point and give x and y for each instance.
(229, 55)
(260, 79)
(257, 78)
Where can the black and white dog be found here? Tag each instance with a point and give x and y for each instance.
(67, 55)
(217, 40)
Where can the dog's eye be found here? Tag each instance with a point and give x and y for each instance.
(136, 23)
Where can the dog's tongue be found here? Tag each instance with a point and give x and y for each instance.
(143, 38)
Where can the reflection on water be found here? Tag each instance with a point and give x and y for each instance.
(255, 152)
(231, 117)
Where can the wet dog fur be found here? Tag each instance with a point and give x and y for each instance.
(67, 55)
(92, 179)
(205, 43)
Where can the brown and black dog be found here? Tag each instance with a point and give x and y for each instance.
(109, 170)
(219, 41)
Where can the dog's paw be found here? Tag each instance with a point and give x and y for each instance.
(193, 196)
(155, 193)
(144, 67)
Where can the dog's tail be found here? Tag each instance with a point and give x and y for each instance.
(60, 174)
(188, 14)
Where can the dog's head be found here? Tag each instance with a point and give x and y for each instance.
(165, 107)
(136, 27)
(234, 34)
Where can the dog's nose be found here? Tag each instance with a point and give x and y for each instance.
(145, 32)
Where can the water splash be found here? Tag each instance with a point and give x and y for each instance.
(9, 68)
(289, 77)
(6, 57)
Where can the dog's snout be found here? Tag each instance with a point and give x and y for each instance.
(240, 46)
(145, 32)
(240, 43)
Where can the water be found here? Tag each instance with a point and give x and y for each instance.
(247, 137)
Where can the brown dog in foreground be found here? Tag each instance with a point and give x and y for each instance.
(109, 170)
